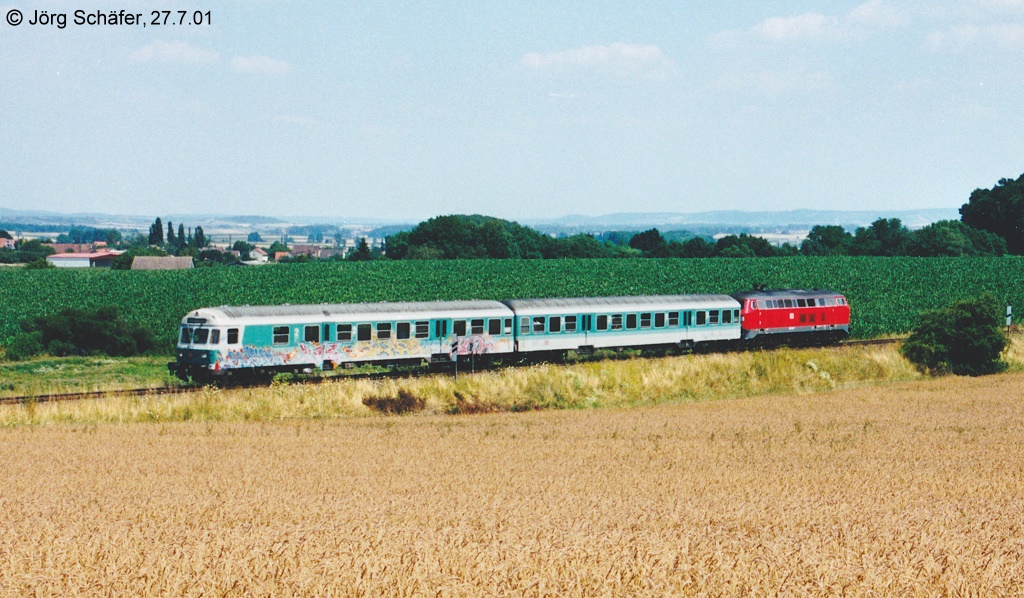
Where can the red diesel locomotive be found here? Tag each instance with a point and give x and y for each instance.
(793, 316)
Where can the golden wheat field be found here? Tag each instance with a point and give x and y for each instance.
(912, 489)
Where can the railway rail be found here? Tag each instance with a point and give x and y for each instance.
(187, 388)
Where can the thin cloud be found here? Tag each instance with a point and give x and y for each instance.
(175, 52)
(1005, 36)
(864, 18)
(260, 65)
(617, 58)
(774, 82)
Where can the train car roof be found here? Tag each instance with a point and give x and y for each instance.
(608, 304)
(398, 310)
(772, 293)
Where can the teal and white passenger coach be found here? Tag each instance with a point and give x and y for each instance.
(226, 340)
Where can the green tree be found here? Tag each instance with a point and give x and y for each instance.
(199, 241)
(886, 237)
(650, 243)
(827, 240)
(254, 237)
(156, 232)
(698, 247)
(361, 253)
(965, 338)
(999, 210)
(171, 241)
(180, 240)
(744, 245)
(83, 332)
(954, 238)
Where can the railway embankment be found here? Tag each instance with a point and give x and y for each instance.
(599, 384)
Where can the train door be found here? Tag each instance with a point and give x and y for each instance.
(441, 333)
(586, 329)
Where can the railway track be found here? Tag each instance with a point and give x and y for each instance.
(188, 388)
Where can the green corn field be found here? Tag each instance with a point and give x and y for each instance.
(886, 294)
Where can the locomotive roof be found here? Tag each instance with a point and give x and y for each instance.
(770, 293)
(397, 309)
(635, 303)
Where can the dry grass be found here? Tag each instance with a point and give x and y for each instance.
(629, 382)
(913, 489)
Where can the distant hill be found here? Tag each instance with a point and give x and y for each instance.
(735, 220)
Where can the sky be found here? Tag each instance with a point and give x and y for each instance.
(531, 109)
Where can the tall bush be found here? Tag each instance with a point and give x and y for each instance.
(965, 338)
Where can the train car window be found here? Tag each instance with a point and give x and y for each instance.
(736, 315)
(524, 325)
(617, 322)
(570, 323)
(508, 325)
(232, 336)
(344, 333)
(422, 329)
(538, 324)
(311, 334)
(702, 318)
(630, 321)
(726, 316)
(280, 335)
(476, 326)
(402, 330)
(364, 332)
(801, 303)
(383, 330)
(673, 319)
(688, 318)
(555, 324)
(215, 336)
(812, 302)
(494, 327)
(186, 335)
(602, 322)
(459, 328)
(840, 301)
(829, 302)
(645, 320)
(441, 328)
(713, 316)
(788, 302)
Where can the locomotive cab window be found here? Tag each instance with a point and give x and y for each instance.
(280, 335)
(232, 336)
(422, 329)
(402, 330)
(186, 335)
(801, 303)
(364, 332)
(200, 335)
(311, 334)
(459, 328)
(840, 301)
(494, 327)
(215, 336)
(344, 333)
(789, 303)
